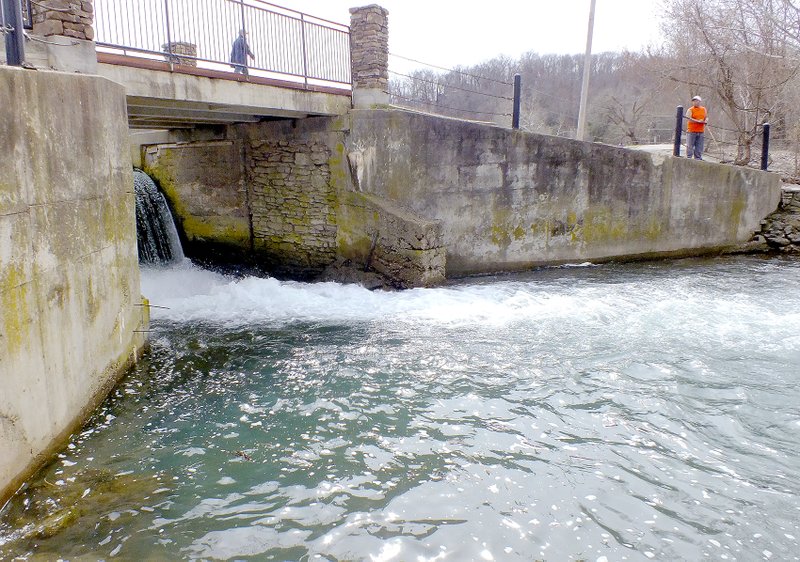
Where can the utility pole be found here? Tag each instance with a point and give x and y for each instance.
(587, 66)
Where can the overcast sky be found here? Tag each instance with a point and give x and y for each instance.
(450, 32)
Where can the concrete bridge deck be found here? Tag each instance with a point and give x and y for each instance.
(164, 96)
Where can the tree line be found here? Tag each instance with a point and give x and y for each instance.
(741, 56)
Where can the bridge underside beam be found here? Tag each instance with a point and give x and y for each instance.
(157, 114)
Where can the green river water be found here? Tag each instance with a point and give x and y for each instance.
(620, 412)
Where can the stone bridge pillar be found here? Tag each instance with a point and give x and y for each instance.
(68, 27)
(369, 56)
(68, 18)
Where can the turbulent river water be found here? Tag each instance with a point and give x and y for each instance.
(619, 412)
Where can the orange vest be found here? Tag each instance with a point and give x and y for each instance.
(698, 113)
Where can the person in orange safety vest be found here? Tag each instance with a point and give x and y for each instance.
(697, 117)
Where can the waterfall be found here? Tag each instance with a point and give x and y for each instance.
(155, 229)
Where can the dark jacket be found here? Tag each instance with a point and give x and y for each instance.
(240, 51)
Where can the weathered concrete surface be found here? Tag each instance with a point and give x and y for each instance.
(67, 54)
(69, 273)
(204, 183)
(418, 198)
(509, 200)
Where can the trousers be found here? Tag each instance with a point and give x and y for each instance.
(694, 145)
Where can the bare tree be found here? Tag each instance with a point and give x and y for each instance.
(739, 50)
(629, 121)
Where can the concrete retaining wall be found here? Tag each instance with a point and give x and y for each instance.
(510, 200)
(69, 273)
(418, 198)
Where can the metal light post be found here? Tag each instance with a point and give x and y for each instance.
(587, 66)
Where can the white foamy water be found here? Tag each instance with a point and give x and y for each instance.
(194, 294)
(719, 309)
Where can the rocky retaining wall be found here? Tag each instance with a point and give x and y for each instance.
(780, 231)
(292, 202)
(71, 310)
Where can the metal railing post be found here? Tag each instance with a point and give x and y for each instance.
(676, 148)
(305, 50)
(169, 35)
(517, 93)
(244, 28)
(13, 28)
(765, 148)
(27, 14)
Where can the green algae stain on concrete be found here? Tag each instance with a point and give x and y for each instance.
(215, 229)
(501, 231)
(738, 207)
(652, 230)
(336, 164)
(500, 236)
(354, 221)
(14, 296)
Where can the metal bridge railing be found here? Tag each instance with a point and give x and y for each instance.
(287, 44)
(27, 14)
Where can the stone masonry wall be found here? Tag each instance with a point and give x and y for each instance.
(369, 47)
(292, 204)
(70, 18)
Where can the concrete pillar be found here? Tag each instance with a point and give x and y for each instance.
(369, 56)
(68, 18)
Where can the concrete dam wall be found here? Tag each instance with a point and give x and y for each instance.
(69, 275)
(511, 200)
(421, 198)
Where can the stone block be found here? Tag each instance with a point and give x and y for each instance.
(48, 27)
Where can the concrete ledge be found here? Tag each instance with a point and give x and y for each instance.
(55, 52)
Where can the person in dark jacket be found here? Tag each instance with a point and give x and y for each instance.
(240, 52)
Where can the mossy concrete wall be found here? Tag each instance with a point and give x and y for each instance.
(511, 200)
(70, 303)
(282, 193)
(204, 184)
(419, 198)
